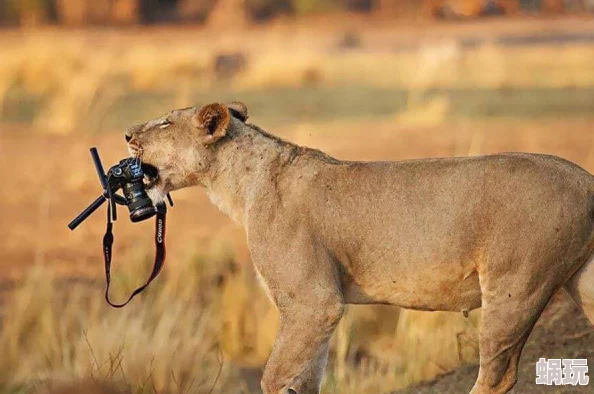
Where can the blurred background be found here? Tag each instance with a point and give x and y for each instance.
(359, 79)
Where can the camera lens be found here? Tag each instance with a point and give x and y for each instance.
(139, 204)
(142, 214)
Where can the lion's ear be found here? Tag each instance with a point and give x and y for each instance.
(212, 120)
(238, 110)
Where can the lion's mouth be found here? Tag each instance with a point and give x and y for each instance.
(151, 175)
(134, 148)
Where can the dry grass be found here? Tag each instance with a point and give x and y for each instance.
(192, 324)
(78, 77)
(166, 343)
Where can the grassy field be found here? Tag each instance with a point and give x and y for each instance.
(294, 73)
(205, 325)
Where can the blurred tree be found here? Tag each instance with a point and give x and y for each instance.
(398, 7)
(124, 11)
(580, 5)
(359, 5)
(236, 13)
(98, 12)
(194, 10)
(30, 12)
(263, 10)
(7, 14)
(556, 6)
(80, 12)
(304, 7)
(155, 11)
(228, 14)
(71, 12)
(456, 9)
(553, 6)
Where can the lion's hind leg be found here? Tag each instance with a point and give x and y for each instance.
(581, 288)
(509, 311)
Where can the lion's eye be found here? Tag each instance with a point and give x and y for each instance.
(164, 124)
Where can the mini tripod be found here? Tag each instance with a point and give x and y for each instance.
(105, 195)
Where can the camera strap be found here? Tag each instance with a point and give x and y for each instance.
(159, 252)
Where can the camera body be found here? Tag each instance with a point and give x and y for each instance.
(128, 176)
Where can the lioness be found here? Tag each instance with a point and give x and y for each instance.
(503, 232)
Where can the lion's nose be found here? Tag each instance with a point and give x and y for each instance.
(132, 131)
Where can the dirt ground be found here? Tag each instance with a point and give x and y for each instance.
(561, 332)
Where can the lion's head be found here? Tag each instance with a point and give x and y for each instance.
(176, 148)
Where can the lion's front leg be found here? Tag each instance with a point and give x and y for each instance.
(310, 380)
(300, 351)
(302, 279)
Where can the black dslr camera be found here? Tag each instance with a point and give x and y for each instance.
(127, 175)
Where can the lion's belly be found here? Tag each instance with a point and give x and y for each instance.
(446, 287)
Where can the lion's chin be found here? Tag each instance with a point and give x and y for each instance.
(157, 193)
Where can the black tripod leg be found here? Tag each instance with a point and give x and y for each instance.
(87, 212)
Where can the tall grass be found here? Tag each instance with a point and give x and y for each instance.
(199, 329)
(167, 342)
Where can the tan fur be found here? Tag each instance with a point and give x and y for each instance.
(503, 231)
